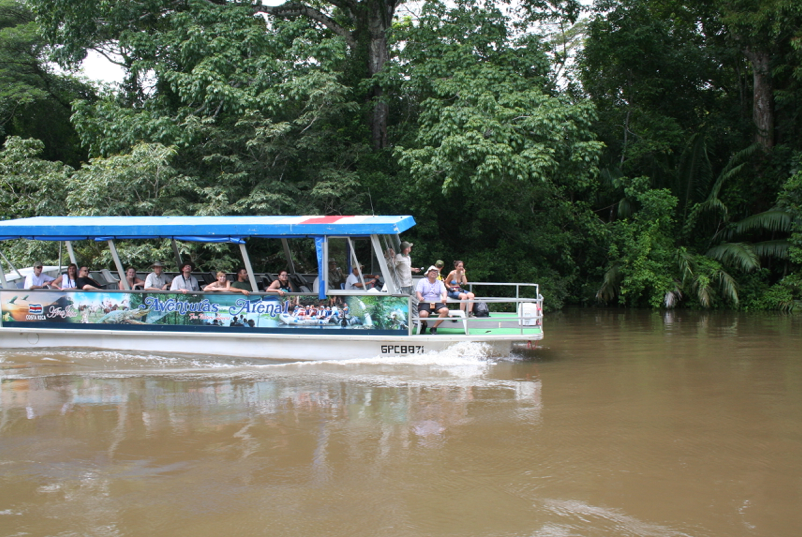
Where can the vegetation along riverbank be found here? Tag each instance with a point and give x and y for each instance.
(637, 153)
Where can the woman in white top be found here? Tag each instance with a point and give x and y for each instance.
(67, 280)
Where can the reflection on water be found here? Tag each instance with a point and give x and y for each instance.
(618, 424)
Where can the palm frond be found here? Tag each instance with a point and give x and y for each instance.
(728, 286)
(610, 283)
(704, 292)
(737, 254)
(771, 220)
(685, 264)
(777, 248)
(673, 297)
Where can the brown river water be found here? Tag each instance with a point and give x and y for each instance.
(620, 424)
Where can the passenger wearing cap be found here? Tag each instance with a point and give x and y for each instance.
(156, 281)
(440, 264)
(352, 283)
(185, 282)
(402, 263)
(37, 280)
(431, 295)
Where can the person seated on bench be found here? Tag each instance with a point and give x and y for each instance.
(353, 283)
(431, 294)
(242, 282)
(85, 283)
(67, 280)
(134, 282)
(155, 281)
(37, 280)
(282, 285)
(455, 281)
(222, 284)
(185, 282)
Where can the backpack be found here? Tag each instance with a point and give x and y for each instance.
(480, 309)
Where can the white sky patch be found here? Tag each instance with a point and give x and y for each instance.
(97, 67)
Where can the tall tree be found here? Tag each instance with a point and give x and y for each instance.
(35, 101)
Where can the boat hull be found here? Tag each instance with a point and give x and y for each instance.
(275, 346)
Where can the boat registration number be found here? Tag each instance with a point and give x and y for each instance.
(402, 349)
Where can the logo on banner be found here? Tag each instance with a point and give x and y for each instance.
(35, 313)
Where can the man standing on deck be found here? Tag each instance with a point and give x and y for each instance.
(403, 267)
(155, 280)
(432, 296)
(185, 282)
(242, 281)
(37, 280)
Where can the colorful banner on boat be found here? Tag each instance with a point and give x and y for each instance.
(172, 311)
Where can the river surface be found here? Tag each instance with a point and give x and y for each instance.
(619, 424)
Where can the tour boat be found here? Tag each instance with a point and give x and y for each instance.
(261, 325)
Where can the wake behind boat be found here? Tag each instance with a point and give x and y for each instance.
(316, 322)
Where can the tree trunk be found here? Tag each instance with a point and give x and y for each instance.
(379, 21)
(762, 102)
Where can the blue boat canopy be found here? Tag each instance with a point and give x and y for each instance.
(199, 228)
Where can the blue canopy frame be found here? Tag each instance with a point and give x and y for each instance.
(213, 229)
(199, 228)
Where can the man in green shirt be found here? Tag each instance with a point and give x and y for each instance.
(242, 281)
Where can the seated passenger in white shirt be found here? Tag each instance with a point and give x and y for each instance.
(185, 282)
(352, 283)
(37, 280)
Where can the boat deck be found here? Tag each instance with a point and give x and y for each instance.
(498, 324)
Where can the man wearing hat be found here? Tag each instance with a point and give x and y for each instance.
(432, 296)
(402, 264)
(155, 280)
(185, 282)
(353, 283)
(37, 280)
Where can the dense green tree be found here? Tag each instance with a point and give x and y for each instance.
(35, 101)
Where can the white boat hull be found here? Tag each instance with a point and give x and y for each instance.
(274, 346)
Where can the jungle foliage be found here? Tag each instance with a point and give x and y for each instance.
(643, 153)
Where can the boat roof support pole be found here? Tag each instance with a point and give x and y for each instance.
(388, 277)
(3, 282)
(248, 267)
(177, 255)
(119, 265)
(288, 254)
(71, 252)
(323, 272)
(11, 266)
(355, 262)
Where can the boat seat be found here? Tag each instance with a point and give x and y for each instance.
(459, 314)
(454, 316)
(107, 279)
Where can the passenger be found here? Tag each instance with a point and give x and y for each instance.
(155, 281)
(455, 281)
(85, 283)
(242, 282)
(221, 284)
(353, 283)
(185, 282)
(336, 276)
(67, 280)
(133, 281)
(440, 264)
(282, 285)
(37, 280)
(402, 264)
(431, 295)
